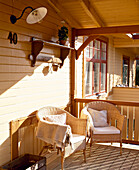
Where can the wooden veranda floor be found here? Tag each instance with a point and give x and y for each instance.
(103, 157)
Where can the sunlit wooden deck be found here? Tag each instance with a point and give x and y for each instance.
(103, 157)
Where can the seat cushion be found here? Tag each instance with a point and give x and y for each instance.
(99, 117)
(79, 143)
(76, 138)
(106, 130)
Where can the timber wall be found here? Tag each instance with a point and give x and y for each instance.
(24, 89)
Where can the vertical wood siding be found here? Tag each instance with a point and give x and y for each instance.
(24, 89)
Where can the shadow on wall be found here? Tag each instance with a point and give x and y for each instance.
(22, 95)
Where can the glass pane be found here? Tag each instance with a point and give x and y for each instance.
(91, 44)
(98, 54)
(95, 44)
(103, 46)
(96, 77)
(103, 76)
(88, 78)
(91, 52)
(95, 54)
(87, 52)
(98, 44)
(125, 72)
(103, 55)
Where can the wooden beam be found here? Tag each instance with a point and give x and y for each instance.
(91, 12)
(82, 47)
(63, 13)
(108, 30)
(124, 43)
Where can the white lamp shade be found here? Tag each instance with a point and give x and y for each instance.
(36, 15)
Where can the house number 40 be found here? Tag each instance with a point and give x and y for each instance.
(12, 38)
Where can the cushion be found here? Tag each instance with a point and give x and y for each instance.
(77, 138)
(99, 117)
(106, 130)
(60, 118)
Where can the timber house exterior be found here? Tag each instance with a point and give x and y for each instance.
(100, 64)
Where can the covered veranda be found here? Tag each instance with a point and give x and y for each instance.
(88, 18)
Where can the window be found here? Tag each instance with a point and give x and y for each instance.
(126, 70)
(96, 67)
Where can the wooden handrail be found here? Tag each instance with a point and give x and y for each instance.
(115, 102)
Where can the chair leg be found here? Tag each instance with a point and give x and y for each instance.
(84, 152)
(90, 147)
(121, 147)
(62, 159)
(90, 142)
(42, 150)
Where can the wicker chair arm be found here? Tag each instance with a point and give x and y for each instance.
(120, 121)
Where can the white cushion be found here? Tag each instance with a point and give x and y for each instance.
(99, 117)
(60, 118)
(106, 130)
(76, 138)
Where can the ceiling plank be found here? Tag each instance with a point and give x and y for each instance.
(108, 30)
(91, 12)
(63, 14)
(124, 43)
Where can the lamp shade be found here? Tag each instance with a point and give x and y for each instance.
(36, 15)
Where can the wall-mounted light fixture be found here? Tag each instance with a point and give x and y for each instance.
(35, 16)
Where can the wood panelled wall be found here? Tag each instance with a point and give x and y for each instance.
(24, 89)
(125, 93)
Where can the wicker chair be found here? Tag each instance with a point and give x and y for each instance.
(114, 119)
(78, 127)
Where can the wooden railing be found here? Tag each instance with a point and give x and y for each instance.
(23, 136)
(130, 109)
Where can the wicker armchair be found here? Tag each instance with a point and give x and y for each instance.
(78, 128)
(111, 133)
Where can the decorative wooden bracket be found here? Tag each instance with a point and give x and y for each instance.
(37, 46)
(82, 47)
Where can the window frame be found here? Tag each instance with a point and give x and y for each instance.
(100, 60)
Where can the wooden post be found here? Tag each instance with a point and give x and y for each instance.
(14, 140)
(72, 72)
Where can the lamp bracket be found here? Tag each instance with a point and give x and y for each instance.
(13, 18)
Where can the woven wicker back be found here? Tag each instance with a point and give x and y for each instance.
(50, 110)
(112, 111)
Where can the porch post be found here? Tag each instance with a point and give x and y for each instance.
(72, 72)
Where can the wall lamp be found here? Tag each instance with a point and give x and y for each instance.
(35, 16)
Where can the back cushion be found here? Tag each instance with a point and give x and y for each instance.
(99, 117)
(60, 118)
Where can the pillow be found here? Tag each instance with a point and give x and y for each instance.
(99, 117)
(60, 118)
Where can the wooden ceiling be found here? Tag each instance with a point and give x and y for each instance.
(98, 13)
(82, 14)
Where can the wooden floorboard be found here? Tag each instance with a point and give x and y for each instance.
(103, 157)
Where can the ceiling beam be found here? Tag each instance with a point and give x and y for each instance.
(91, 12)
(64, 14)
(108, 30)
(124, 43)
